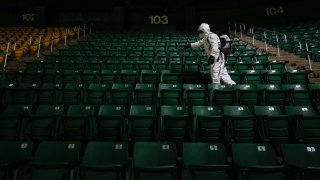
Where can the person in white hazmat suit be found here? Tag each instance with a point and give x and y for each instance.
(216, 59)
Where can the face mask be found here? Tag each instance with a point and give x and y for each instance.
(201, 35)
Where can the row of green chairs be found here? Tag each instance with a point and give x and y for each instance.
(157, 161)
(163, 94)
(266, 124)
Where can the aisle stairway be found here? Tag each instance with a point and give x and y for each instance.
(294, 61)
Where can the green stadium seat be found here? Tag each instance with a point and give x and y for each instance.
(246, 57)
(76, 123)
(42, 125)
(128, 65)
(144, 94)
(241, 124)
(175, 123)
(160, 65)
(22, 93)
(121, 94)
(129, 76)
(48, 93)
(274, 95)
(170, 94)
(170, 77)
(195, 94)
(192, 66)
(261, 57)
(314, 90)
(143, 123)
(150, 76)
(54, 160)
(306, 124)
(204, 161)
(257, 162)
(13, 157)
(273, 76)
(97, 94)
(88, 76)
(110, 123)
(258, 65)
(11, 121)
(69, 76)
(220, 95)
(248, 95)
(104, 160)
(208, 124)
(236, 76)
(72, 93)
(297, 77)
(276, 65)
(154, 161)
(252, 77)
(108, 76)
(273, 125)
(303, 159)
(299, 95)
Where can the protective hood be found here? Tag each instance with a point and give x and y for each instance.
(204, 27)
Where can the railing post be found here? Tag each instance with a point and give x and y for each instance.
(6, 56)
(285, 38)
(65, 38)
(84, 30)
(14, 46)
(252, 36)
(278, 48)
(229, 28)
(241, 31)
(309, 60)
(30, 41)
(78, 32)
(39, 46)
(235, 29)
(51, 45)
(265, 40)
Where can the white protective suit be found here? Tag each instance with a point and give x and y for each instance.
(211, 44)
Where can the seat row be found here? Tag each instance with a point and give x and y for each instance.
(163, 94)
(157, 161)
(264, 124)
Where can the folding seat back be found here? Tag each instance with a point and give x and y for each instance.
(273, 76)
(170, 77)
(129, 76)
(154, 161)
(220, 95)
(150, 76)
(13, 156)
(304, 160)
(236, 76)
(104, 160)
(121, 94)
(22, 93)
(48, 93)
(252, 77)
(175, 123)
(170, 94)
(12, 120)
(205, 161)
(273, 125)
(88, 76)
(297, 77)
(306, 124)
(110, 123)
(241, 125)
(276, 65)
(54, 160)
(259, 65)
(108, 76)
(314, 90)
(299, 95)
(195, 94)
(42, 125)
(72, 94)
(144, 94)
(257, 162)
(76, 123)
(97, 94)
(274, 95)
(248, 95)
(208, 124)
(143, 124)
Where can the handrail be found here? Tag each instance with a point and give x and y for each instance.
(41, 41)
(278, 34)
